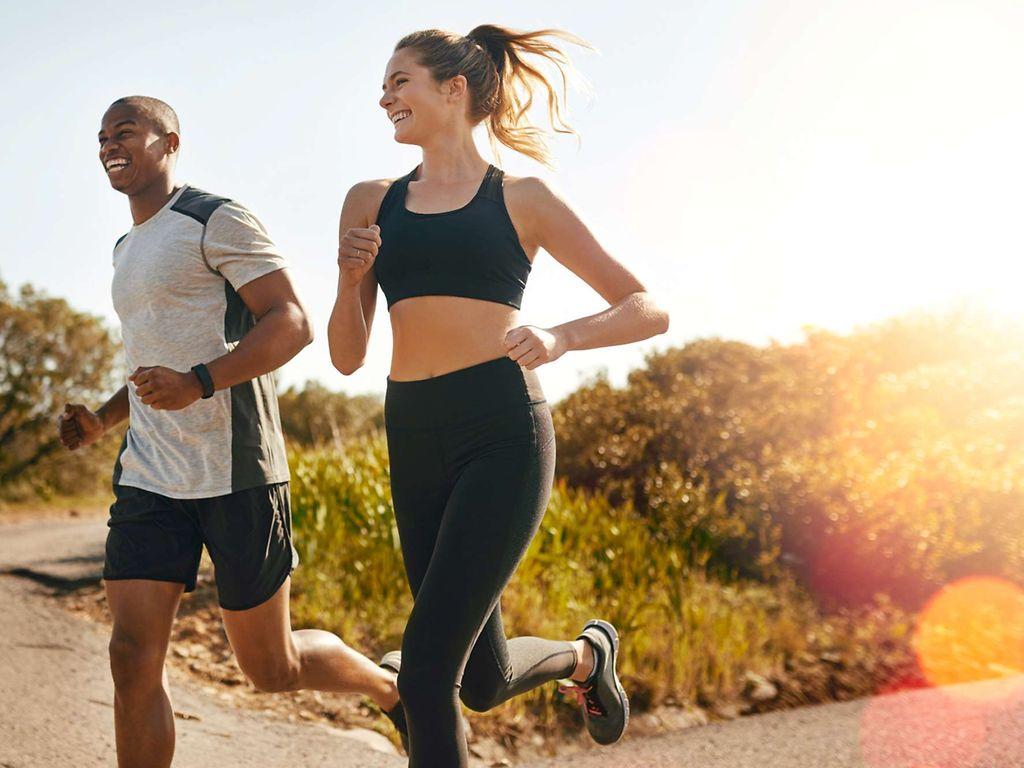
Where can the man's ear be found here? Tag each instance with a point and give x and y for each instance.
(173, 143)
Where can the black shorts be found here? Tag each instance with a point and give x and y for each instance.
(248, 534)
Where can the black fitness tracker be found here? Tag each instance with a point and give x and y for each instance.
(205, 379)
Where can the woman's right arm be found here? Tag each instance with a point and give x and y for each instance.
(348, 331)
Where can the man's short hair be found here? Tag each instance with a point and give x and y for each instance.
(157, 112)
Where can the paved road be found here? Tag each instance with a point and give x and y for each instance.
(55, 702)
(55, 689)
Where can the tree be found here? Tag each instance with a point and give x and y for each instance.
(50, 354)
(315, 415)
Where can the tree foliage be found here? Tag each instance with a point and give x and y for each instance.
(885, 460)
(50, 354)
(317, 416)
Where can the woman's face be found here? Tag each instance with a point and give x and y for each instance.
(416, 104)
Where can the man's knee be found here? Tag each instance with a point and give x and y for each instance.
(135, 664)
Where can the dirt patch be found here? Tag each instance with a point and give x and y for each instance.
(92, 508)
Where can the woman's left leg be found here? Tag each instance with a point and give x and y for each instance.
(499, 668)
(503, 473)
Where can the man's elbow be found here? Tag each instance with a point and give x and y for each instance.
(306, 329)
(303, 327)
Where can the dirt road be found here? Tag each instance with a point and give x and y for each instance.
(55, 701)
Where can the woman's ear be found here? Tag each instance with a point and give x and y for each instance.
(458, 87)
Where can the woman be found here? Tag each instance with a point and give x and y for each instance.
(470, 437)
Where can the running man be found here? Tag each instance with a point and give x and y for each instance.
(207, 312)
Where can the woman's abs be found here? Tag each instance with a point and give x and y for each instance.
(433, 335)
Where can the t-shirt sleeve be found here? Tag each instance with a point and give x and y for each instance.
(237, 246)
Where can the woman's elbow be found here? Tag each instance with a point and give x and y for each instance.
(657, 316)
(662, 322)
(346, 367)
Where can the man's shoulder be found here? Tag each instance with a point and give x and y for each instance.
(199, 204)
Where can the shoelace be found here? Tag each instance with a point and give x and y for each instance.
(586, 697)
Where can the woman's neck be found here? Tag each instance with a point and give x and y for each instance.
(449, 162)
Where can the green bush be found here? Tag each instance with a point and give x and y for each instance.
(688, 635)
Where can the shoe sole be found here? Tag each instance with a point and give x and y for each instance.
(613, 635)
(388, 664)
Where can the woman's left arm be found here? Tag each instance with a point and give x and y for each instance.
(632, 314)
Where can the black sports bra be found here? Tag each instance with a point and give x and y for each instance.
(473, 251)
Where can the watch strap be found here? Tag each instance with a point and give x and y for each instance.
(205, 379)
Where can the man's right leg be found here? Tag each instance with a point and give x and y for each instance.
(153, 549)
(143, 612)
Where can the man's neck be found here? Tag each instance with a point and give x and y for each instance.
(147, 202)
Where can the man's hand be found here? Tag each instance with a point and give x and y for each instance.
(531, 346)
(164, 389)
(79, 427)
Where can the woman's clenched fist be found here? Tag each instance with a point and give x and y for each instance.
(357, 251)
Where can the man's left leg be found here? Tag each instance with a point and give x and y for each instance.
(248, 535)
(276, 658)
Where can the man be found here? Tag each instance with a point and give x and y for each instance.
(207, 312)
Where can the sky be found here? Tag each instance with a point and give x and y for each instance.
(760, 166)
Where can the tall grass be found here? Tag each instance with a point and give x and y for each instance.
(686, 636)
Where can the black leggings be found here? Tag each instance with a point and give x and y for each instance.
(472, 459)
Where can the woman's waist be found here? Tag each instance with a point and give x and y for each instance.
(434, 338)
(461, 394)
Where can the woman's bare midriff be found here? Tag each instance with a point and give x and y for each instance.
(433, 335)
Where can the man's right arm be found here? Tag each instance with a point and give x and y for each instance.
(80, 427)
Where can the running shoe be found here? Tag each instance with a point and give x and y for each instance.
(393, 661)
(605, 705)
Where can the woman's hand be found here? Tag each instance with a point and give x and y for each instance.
(357, 252)
(531, 346)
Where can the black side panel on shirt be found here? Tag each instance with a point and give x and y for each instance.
(198, 205)
(117, 462)
(253, 456)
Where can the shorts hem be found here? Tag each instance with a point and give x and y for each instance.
(190, 586)
(199, 495)
(259, 601)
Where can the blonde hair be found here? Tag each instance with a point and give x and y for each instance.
(501, 82)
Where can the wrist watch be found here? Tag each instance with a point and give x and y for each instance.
(205, 379)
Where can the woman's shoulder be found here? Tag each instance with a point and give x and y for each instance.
(364, 198)
(370, 188)
(528, 191)
(530, 199)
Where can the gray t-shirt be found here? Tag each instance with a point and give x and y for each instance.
(176, 277)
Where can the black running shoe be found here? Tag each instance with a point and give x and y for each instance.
(605, 705)
(393, 661)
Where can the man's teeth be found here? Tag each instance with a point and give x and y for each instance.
(400, 116)
(116, 165)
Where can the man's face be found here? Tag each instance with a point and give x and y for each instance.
(133, 151)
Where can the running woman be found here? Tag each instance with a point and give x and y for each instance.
(207, 313)
(470, 436)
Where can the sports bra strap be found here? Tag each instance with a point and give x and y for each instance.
(396, 191)
(491, 188)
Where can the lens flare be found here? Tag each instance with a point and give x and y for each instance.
(972, 630)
